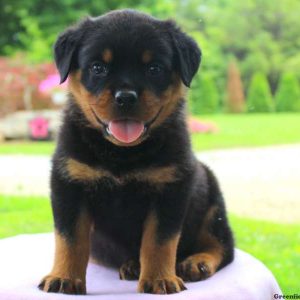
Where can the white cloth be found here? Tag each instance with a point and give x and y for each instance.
(25, 259)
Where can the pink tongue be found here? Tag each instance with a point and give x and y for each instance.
(126, 131)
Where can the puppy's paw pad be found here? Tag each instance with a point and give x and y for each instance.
(130, 270)
(195, 268)
(53, 284)
(169, 285)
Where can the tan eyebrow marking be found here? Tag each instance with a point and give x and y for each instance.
(107, 55)
(146, 56)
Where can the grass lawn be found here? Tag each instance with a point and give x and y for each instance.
(276, 245)
(24, 215)
(249, 130)
(27, 147)
(245, 130)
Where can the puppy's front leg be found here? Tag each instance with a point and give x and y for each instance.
(158, 260)
(70, 262)
(72, 239)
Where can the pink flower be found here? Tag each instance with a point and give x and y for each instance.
(197, 126)
(51, 83)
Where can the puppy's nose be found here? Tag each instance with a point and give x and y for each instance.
(125, 98)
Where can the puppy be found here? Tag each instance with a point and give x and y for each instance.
(125, 186)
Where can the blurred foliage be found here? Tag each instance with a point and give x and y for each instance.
(259, 95)
(204, 96)
(288, 94)
(260, 35)
(33, 25)
(251, 30)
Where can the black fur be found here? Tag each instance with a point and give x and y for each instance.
(119, 211)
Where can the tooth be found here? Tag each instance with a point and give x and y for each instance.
(107, 130)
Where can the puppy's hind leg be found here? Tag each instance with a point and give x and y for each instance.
(214, 248)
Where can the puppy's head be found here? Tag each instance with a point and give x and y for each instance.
(127, 72)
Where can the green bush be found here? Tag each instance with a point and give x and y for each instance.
(204, 96)
(259, 95)
(288, 94)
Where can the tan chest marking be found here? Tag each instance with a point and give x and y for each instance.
(82, 172)
(157, 175)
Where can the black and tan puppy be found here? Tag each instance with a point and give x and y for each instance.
(126, 188)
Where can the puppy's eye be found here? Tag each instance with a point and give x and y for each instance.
(154, 69)
(99, 69)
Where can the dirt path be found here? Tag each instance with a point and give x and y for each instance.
(262, 183)
(24, 174)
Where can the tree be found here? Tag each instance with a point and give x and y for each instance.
(204, 97)
(288, 94)
(34, 25)
(263, 37)
(259, 95)
(235, 100)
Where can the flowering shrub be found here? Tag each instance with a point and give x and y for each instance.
(51, 84)
(20, 85)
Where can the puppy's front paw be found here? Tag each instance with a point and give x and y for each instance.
(168, 285)
(53, 284)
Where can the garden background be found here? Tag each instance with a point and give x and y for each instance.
(246, 94)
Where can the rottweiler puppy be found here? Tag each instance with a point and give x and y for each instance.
(126, 189)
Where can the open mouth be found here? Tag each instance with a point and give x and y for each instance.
(127, 130)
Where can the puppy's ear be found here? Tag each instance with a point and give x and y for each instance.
(66, 47)
(187, 53)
